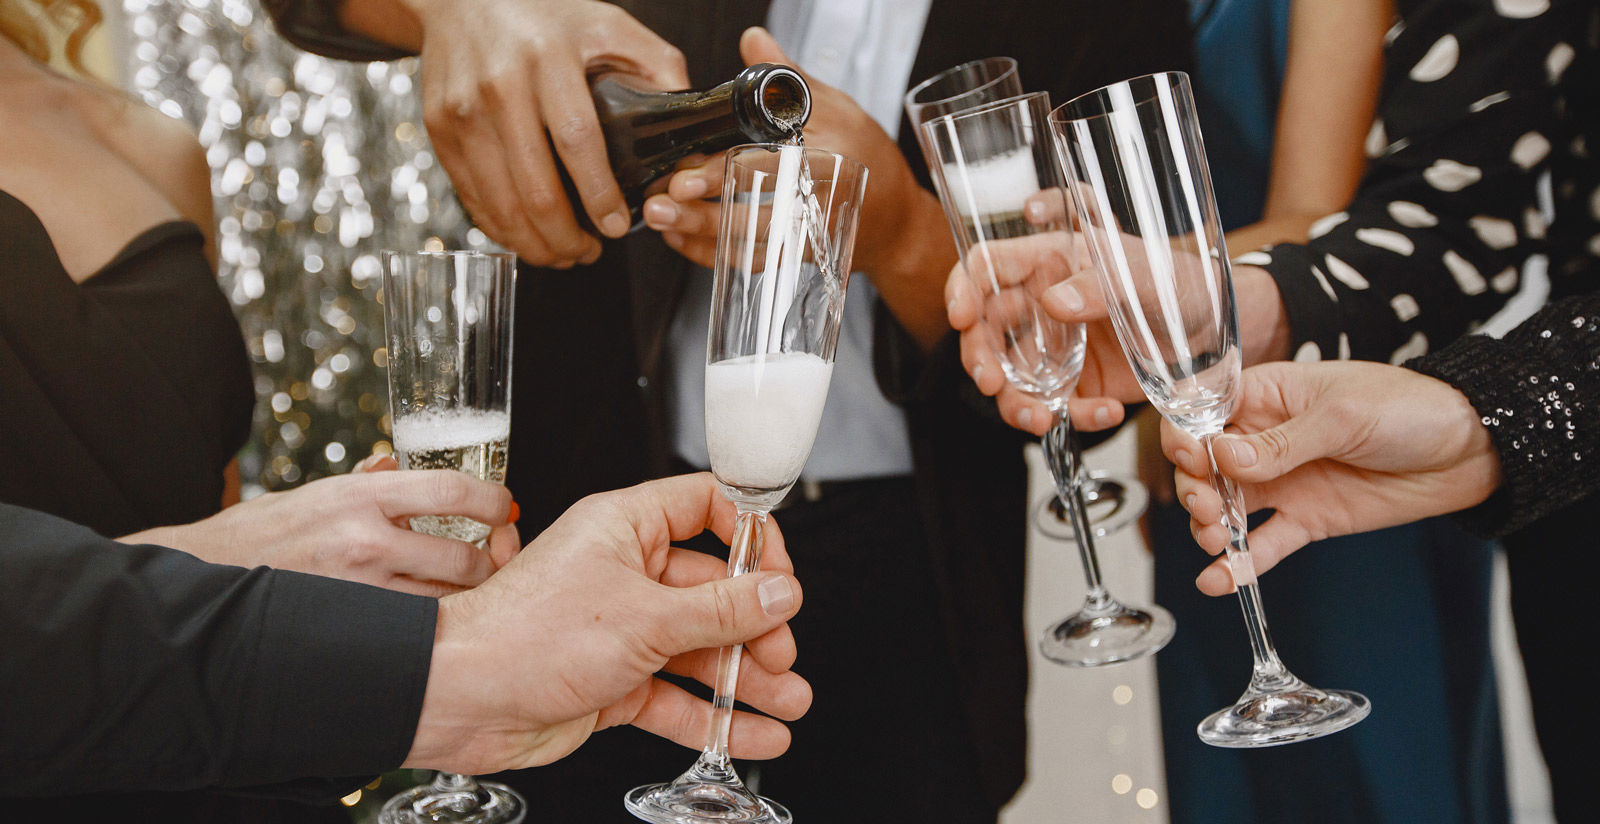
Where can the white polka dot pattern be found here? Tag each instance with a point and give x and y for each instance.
(1450, 176)
(1439, 61)
(1529, 150)
(1412, 215)
(1386, 239)
(1496, 233)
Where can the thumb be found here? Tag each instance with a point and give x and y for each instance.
(757, 45)
(1272, 453)
(732, 610)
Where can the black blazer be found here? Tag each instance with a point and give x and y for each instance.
(139, 668)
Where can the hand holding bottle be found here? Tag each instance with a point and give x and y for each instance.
(506, 99)
(903, 243)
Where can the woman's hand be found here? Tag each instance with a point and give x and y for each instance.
(1334, 448)
(356, 527)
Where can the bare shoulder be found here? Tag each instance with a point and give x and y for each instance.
(163, 149)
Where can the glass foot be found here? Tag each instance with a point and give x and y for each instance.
(1113, 503)
(489, 804)
(1094, 638)
(1295, 713)
(706, 793)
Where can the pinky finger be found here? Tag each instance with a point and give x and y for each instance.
(677, 716)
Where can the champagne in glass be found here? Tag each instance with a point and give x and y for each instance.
(788, 223)
(467, 440)
(1142, 191)
(448, 318)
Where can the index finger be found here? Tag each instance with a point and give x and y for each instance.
(568, 110)
(434, 492)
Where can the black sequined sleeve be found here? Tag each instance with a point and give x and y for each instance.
(1447, 213)
(1538, 392)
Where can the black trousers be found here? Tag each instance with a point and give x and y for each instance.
(884, 740)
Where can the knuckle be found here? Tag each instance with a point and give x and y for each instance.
(574, 131)
(1275, 443)
(725, 607)
(447, 491)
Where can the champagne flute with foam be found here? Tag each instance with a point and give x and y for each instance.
(448, 319)
(788, 224)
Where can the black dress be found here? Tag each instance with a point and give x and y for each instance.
(122, 400)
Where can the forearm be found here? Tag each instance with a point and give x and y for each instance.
(909, 274)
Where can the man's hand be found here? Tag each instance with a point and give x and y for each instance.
(1335, 448)
(565, 639)
(903, 241)
(356, 527)
(503, 82)
(1051, 260)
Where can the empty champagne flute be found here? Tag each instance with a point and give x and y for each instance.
(1112, 501)
(788, 225)
(448, 319)
(1143, 195)
(995, 160)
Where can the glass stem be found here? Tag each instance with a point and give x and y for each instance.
(743, 556)
(1065, 460)
(1268, 673)
(454, 784)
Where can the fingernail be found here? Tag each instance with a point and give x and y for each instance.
(615, 224)
(1025, 417)
(660, 212)
(1244, 454)
(693, 186)
(1070, 297)
(776, 594)
(1035, 212)
(950, 308)
(977, 373)
(1188, 501)
(1102, 416)
(364, 463)
(516, 512)
(1183, 458)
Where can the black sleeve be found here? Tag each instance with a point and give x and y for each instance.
(1447, 213)
(314, 25)
(1537, 391)
(144, 668)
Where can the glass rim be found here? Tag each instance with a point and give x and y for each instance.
(447, 253)
(747, 148)
(985, 108)
(911, 96)
(1066, 112)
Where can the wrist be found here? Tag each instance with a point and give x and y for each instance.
(1263, 324)
(442, 734)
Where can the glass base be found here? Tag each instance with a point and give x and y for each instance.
(428, 804)
(708, 792)
(1094, 638)
(1297, 713)
(1113, 504)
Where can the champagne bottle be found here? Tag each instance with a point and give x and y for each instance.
(647, 133)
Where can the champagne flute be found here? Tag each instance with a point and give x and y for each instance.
(994, 160)
(788, 224)
(1143, 195)
(1112, 502)
(448, 319)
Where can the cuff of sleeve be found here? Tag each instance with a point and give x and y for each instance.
(1477, 365)
(343, 665)
(314, 26)
(1307, 301)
